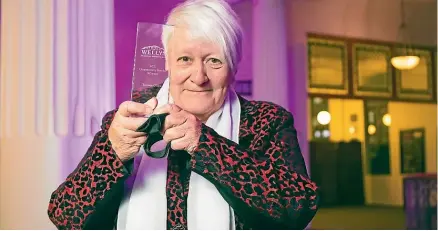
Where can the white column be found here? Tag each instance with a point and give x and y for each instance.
(57, 78)
(275, 79)
(279, 65)
(297, 86)
(270, 78)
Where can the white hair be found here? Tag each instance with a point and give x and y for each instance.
(213, 20)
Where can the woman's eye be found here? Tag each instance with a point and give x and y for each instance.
(215, 63)
(184, 59)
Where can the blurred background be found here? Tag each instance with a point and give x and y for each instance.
(359, 77)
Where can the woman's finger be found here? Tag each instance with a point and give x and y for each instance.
(173, 120)
(174, 133)
(179, 144)
(130, 108)
(131, 134)
(140, 140)
(152, 103)
(132, 123)
(168, 108)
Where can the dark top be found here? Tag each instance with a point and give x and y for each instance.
(263, 178)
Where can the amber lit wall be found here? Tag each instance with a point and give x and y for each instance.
(408, 116)
(376, 20)
(385, 189)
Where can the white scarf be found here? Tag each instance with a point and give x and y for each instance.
(145, 206)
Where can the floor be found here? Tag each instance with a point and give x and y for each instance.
(365, 217)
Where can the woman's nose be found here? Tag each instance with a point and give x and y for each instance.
(199, 76)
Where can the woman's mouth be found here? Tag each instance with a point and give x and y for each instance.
(199, 91)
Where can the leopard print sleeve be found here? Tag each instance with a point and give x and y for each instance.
(89, 197)
(266, 184)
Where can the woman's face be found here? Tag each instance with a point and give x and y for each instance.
(199, 74)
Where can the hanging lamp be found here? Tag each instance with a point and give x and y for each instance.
(405, 60)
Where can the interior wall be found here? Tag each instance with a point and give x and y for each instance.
(244, 10)
(367, 19)
(407, 116)
(342, 128)
(386, 190)
(57, 82)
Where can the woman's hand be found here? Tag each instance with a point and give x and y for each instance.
(182, 130)
(122, 134)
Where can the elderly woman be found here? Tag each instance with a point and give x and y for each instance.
(233, 163)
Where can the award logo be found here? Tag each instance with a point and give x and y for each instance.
(153, 51)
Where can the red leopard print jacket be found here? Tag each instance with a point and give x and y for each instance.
(263, 178)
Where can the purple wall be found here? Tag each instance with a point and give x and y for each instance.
(126, 16)
(244, 10)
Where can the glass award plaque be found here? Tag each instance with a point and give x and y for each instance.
(149, 60)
